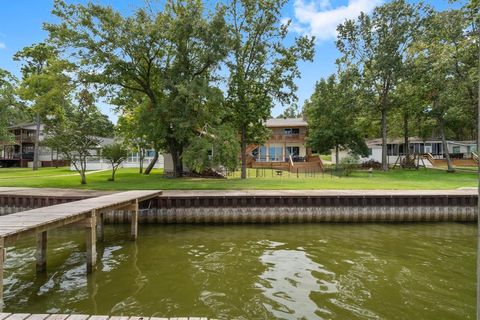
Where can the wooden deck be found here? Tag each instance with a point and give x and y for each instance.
(89, 212)
(46, 316)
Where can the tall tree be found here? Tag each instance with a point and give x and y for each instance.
(75, 134)
(377, 45)
(439, 79)
(43, 85)
(8, 103)
(169, 56)
(261, 67)
(330, 113)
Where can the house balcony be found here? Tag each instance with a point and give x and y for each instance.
(24, 138)
(287, 138)
(17, 156)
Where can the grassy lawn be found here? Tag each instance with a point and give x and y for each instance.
(128, 179)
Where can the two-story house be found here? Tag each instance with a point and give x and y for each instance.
(19, 151)
(285, 149)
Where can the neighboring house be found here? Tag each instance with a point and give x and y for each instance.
(285, 149)
(133, 160)
(19, 152)
(431, 149)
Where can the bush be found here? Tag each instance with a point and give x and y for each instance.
(371, 164)
(349, 164)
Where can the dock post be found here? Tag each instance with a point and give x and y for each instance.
(91, 235)
(134, 221)
(100, 227)
(2, 262)
(41, 253)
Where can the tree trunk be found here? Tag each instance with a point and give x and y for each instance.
(113, 172)
(337, 161)
(83, 168)
(141, 157)
(177, 161)
(406, 144)
(37, 142)
(384, 138)
(152, 163)
(243, 144)
(83, 177)
(444, 144)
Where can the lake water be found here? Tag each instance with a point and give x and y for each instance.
(310, 271)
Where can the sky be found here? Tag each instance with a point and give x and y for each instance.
(21, 25)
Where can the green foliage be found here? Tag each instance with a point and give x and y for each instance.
(376, 44)
(331, 113)
(75, 134)
(218, 147)
(45, 84)
(169, 57)
(349, 164)
(115, 153)
(8, 103)
(261, 67)
(291, 112)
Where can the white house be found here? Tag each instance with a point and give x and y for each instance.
(395, 148)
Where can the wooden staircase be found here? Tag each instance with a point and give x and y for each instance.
(250, 158)
(313, 163)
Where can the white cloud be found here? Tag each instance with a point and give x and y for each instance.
(320, 19)
(2, 45)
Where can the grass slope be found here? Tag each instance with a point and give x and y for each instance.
(128, 179)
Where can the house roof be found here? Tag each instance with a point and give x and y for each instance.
(378, 141)
(24, 125)
(285, 122)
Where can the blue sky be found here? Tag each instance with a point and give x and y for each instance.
(21, 25)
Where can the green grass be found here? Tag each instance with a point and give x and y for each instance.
(326, 157)
(128, 179)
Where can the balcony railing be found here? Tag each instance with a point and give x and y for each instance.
(17, 156)
(287, 138)
(24, 138)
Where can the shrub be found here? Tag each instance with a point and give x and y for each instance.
(349, 164)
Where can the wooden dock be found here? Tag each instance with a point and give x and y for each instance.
(46, 316)
(88, 212)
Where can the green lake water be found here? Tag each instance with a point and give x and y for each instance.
(306, 271)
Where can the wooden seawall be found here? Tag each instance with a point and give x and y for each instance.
(280, 206)
(301, 206)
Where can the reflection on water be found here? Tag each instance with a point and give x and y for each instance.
(316, 271)
(289, 281)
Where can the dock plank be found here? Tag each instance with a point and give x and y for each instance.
(58, 316)
(18, 316)
(98, 318)
(77, 317)
(40, 316)
(4, 315)
(35, 220)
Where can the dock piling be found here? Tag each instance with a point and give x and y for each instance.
(90, 232)
(100, 227)
(134, 221)
(41, 253)
(2, 262)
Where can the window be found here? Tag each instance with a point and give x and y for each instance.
(370, 151)
(290, 131)
(292, 151)
(150, 153)
(456, 149)
(276, 154)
